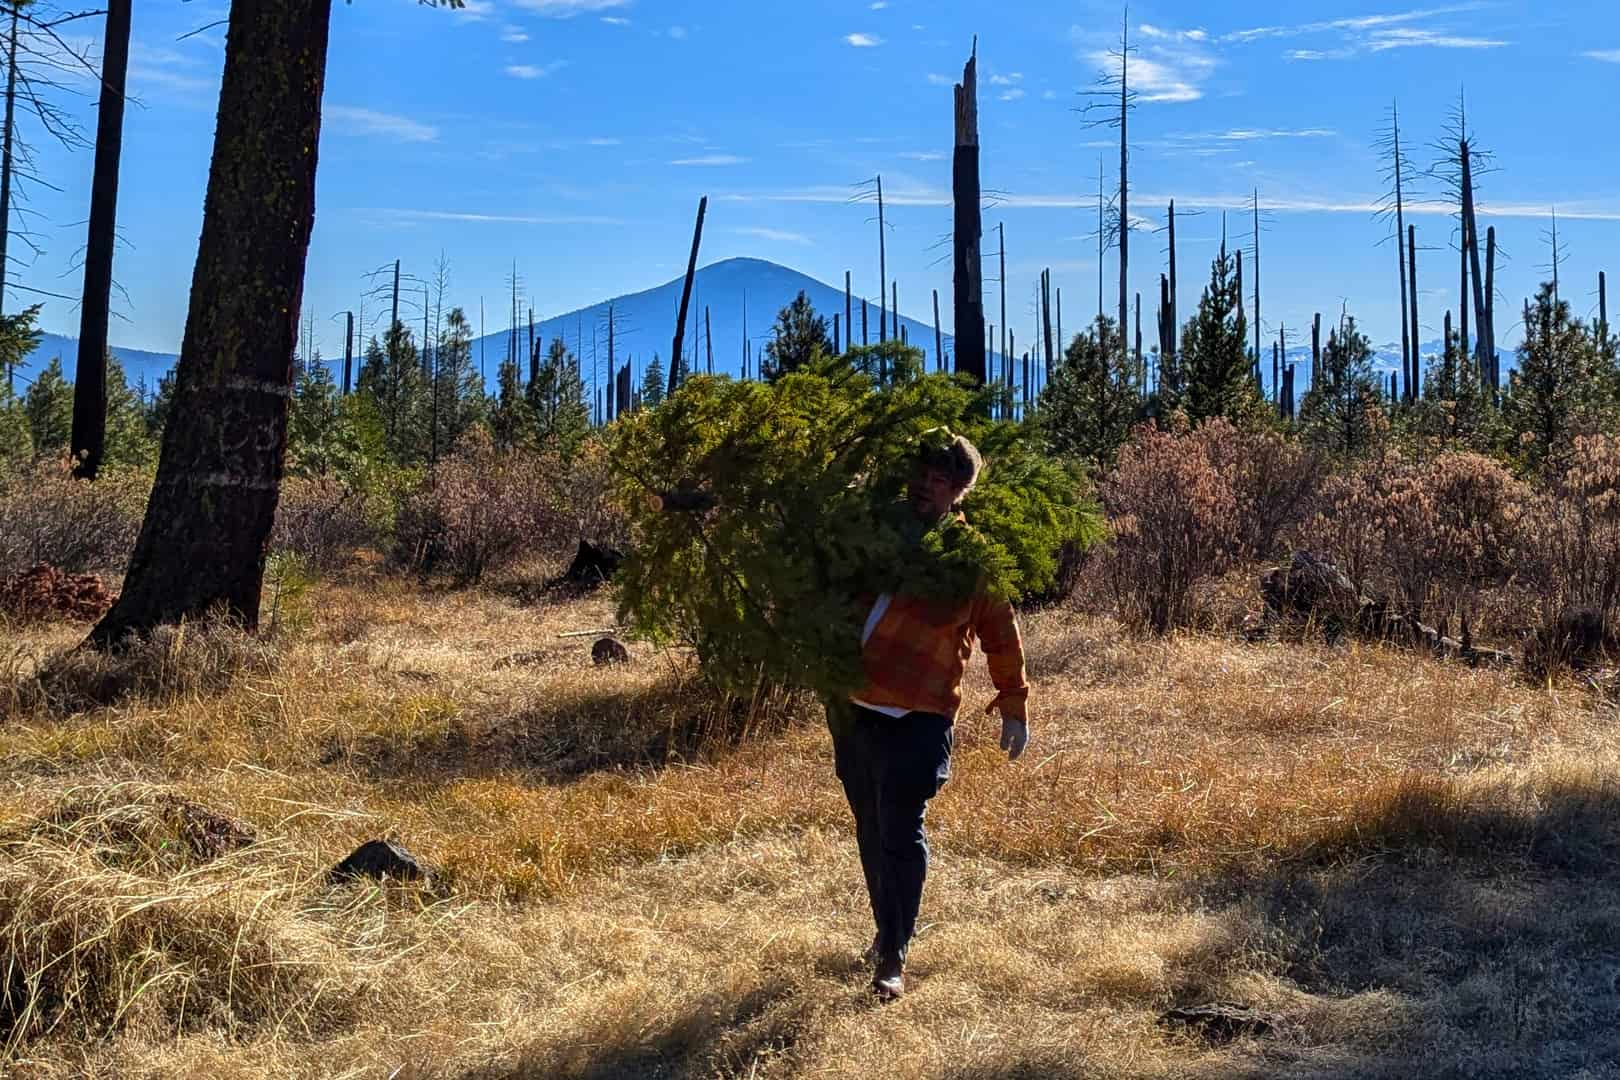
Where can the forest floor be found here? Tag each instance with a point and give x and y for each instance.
(1412, 867)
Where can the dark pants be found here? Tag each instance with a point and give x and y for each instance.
(890, 767)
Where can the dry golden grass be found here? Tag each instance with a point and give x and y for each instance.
(1413, 866)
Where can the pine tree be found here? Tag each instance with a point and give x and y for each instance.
(157, 409)
(320, 440)
(556, 401)
(887, 363)
(391, 375)
(19, 336)
(652, 384)
(1090, 402)
(461, 403)
(1215, 376)
(509, 421)
(799, 337)
(1456, 411)
(128, 442)
(49, 406)
(16, 440)
(1562, 387)
(1343, 412)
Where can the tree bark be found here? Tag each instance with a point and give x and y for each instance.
(1412, 287)
(5, 158)
(968, 276)
(89, 441)
(203, 541)
(939, 337)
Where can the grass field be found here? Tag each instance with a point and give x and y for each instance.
(1411, 866)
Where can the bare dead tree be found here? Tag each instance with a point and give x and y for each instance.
(1110, 107)
(1458, 168)
(686, 297)
(89, 438)
(1399, 174)
(968, 273)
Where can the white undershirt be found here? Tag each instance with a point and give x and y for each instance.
(872, 620)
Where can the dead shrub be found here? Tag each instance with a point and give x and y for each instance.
(482, 510)
(322, 521)
(1185, 507)
(1572, 555)
(140, 827)
(1431, 536)
(46, 516)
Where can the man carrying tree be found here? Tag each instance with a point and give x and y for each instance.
(892, 744)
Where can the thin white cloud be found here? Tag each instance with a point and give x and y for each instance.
(355, 120)
(879, 5)
(1355, 23)
(1012, 95)
(600, 140)
(710, 161)
(1157, 33)
(1608, 56)
(616, 20)
(489, 219)
(779, 236)
(475, 10)
(567, 9)
(1587, 211)
(863, 41)
(939, 80)
(534, 71)
(1007, 80)
(677, 32)
(514, 35)
(1408, 38)
(1162, 71)
(1252, 134)
(923, 155)
(1049, 95)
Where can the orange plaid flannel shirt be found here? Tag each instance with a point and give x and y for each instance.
(919, 651)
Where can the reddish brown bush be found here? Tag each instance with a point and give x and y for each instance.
(481, 510)
(43, 593)
(1185, 507)
(1571, 543)
(1429, 535)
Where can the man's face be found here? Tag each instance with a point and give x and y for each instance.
(935, 493)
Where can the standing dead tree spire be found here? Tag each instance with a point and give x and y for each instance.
(968, 274)
(1399, 175)
(1110, 107)
(1458, 168)
(686, 299)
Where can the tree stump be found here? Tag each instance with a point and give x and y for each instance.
(608, 651)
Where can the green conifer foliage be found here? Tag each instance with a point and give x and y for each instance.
(795, 485)
(1087, 408)
(1562, 388)
(49, 405)
(1343, 413)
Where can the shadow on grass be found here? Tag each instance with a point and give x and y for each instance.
(598, 730)
(1466, 930)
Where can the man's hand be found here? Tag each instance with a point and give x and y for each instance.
(1014, 736)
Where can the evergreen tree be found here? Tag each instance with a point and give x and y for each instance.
(887, 363)
(1456, 411)
(1562, 387)
(392, 376)
(798, 338)
(128, 440)
(321, 439)
(461, 402)
(19, 336)
(49, 406)
(1343, 413)
(556, 400)
(157, 409)
(1090, 402)
(652, 384)
(16, 440)
(509, 421)
(1215, 374)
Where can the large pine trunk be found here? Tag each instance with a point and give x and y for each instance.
(202, 544)
(89, 440)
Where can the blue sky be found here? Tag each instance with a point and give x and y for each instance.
(574, 137)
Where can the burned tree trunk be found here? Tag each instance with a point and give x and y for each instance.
(90, 382)
(1489, 325)
(202, 543)
(1412, 286)
(5, 157)
(939, 337)
(348, 355)
(686, 298)
(968, 276)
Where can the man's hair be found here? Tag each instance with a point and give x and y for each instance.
(951, 454)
